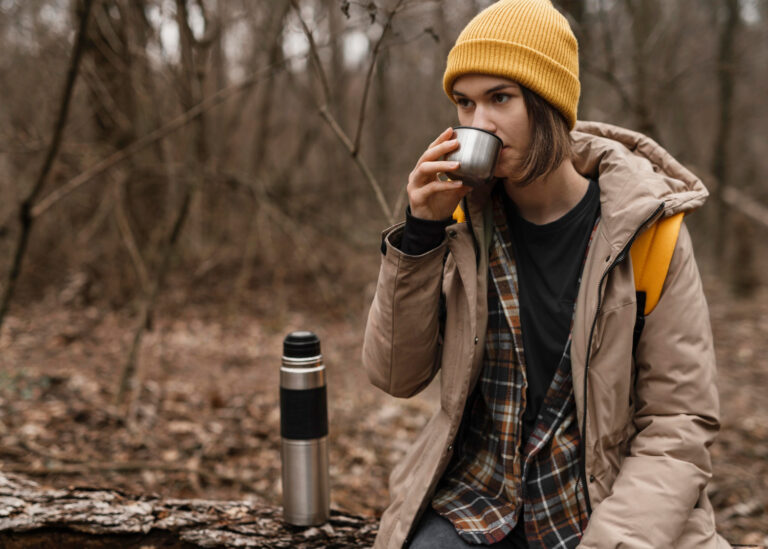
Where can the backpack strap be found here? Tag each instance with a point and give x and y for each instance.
(651, 254)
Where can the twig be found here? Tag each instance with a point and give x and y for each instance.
(741, 201)
(129, 240)
(26, 214)
(325, 88)
(369, 77)
(400, 202)
(359, 161)
(100, 214)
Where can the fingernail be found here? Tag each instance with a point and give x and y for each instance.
(455, 164)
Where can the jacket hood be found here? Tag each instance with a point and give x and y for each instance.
(639, 180)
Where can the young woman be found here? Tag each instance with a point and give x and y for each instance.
(552, 431)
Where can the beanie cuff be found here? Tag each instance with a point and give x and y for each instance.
(526, 66)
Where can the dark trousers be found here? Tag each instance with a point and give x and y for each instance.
(436, 532)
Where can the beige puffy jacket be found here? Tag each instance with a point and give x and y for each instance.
(649, 422)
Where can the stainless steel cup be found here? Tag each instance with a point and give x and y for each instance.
(304, 431)
(477, 155)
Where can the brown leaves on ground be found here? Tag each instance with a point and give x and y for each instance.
(205, 420)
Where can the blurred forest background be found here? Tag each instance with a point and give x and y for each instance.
(182, 182)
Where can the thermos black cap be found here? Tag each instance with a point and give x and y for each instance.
(302, 344)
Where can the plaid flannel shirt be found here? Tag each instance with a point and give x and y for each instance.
(496, 475)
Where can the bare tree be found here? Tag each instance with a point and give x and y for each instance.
(26, 219)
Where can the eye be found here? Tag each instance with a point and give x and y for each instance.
(463, 102)
(500, 98)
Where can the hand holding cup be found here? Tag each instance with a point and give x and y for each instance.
(429, 196)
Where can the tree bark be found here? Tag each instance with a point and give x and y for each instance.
(81, 517)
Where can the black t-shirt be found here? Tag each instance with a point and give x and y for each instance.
(549, 261)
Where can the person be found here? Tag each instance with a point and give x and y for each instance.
(551, 431)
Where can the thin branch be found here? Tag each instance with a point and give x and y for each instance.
(100, 214)
(141, 144)
(400, 202)
(369, 76)
(129, 240)
(26, 217)
(325, 88)
(359, 161)
(747, 205)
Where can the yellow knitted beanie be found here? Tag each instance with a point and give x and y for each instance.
(527, 41)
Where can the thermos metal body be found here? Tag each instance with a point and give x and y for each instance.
(304, 431)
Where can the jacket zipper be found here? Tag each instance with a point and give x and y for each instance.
(619, 258)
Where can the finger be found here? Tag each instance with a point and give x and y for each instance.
(439, 150)
(436, 187)
(427, 171)
(447, 133)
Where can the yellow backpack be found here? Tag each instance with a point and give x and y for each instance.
(651, 254)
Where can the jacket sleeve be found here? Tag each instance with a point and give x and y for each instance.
(401, 352)
(676, 416)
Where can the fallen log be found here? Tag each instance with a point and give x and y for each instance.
(85, 518)
(31, 516)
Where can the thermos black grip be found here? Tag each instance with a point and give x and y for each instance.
(303, 413)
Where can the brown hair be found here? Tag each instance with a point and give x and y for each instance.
(550, 139)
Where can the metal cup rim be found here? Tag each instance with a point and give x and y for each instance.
(480, 130)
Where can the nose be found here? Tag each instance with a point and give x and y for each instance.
(483, 120)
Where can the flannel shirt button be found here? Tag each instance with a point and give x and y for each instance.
(452, 233)
(476, 340)
(591, 478)
(449, 449)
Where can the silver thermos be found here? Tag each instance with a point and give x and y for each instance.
(304, 431)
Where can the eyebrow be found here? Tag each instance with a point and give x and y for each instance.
(489, 91)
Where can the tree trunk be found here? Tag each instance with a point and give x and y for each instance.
(725, 83)
(645, 14)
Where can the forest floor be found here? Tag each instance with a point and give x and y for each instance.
(205, 420)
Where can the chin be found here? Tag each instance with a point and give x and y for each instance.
(504, 172)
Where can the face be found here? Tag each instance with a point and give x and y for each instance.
(496, 105)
